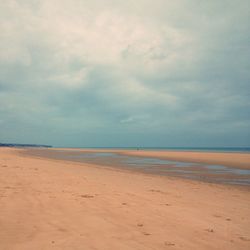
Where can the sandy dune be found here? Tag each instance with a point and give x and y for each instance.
(49, 204)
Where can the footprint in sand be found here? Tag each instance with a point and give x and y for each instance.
(244, 238)
(217, 215)
(155, 191)
(86, 196)
(167, 243)
(147, 234)
(210, 230)
(8, 187)
(62, 230)
(139, 225)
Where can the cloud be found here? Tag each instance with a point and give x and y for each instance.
(143, 70)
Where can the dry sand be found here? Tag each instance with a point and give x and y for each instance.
(49, 204)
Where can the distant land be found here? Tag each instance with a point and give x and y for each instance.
(24, 145)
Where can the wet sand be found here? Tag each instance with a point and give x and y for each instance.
(240, 160)
(234, 159)
(203, 166)
(50, 204)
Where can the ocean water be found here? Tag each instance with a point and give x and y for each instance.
(202, 149)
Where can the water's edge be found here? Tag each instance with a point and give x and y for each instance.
(153, 165)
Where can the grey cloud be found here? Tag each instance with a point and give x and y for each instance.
(156, 73)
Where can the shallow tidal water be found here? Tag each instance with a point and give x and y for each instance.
(153, 165)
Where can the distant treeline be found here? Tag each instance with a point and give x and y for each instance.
(24, 145)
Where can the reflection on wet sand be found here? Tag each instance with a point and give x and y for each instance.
(154, 165)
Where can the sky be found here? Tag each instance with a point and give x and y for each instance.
(115, 73)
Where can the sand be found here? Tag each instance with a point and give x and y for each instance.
(233, 159)
(50, 204)
(239, 160)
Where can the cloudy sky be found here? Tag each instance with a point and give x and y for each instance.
(125, 73)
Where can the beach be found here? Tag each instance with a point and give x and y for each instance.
(48, 203)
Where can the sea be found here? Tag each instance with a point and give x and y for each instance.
(200, 149)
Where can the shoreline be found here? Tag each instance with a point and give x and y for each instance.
(201, 150)
(50, 204)
(231, 159)
(117, 160)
